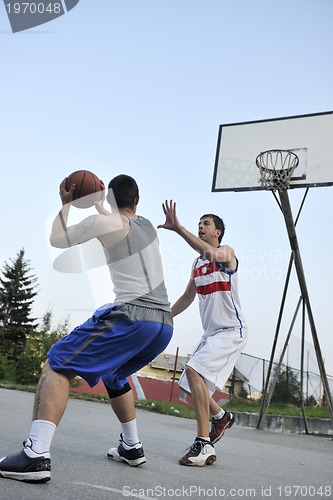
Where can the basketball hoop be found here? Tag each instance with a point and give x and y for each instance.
(276, 167)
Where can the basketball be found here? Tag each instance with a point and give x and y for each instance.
(88, 188)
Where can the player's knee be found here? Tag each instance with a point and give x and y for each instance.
(46, 368)
(191, 374)
(193, 377)
(115, 393)
(48, 371)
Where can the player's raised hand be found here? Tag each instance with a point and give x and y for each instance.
(171, 220)
(101, 208)
(66, 195)
(99, 205)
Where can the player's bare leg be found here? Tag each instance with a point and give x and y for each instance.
(123, 406)
(214, 408)
(200, 400)
(51, 395)
(130, 449)
(33, 463)
(221, 420)
(201, 452)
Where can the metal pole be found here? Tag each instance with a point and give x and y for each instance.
(174, 374)
(264, 398)
(302, 371)
(276, 374)
(307, 375)
(286, 209)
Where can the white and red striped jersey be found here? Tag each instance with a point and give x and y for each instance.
(217, 291)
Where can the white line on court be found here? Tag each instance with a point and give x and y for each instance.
(114, 490)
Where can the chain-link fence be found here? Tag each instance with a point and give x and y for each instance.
(255, 370)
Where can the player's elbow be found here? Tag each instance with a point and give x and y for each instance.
(220, 254)
(210, 255)
(57, 242)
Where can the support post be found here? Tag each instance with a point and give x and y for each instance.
(174, 374)
(267, 397)
(287, 213)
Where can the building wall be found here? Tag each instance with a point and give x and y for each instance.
(164, 374)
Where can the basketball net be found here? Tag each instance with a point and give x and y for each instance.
(276, 168)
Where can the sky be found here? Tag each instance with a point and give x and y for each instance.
(140, 87)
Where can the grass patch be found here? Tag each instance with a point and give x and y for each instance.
(16, 387)
(234, 404)
(166, 408)
(277, 409)
(178, 410)
(89, 397)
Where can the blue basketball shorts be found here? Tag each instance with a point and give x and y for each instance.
(114, 343)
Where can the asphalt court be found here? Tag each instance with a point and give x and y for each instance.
(250, 463)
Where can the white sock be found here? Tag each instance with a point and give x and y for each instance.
(130, 432)
(219, 415)
(41, 435)
(201, 438)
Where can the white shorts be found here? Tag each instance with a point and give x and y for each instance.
(215, 357)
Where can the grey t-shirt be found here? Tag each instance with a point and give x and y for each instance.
(136, 268)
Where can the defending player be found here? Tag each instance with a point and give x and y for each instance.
(214, 279)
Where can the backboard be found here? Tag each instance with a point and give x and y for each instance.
(309, 136)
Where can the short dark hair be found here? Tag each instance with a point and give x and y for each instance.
(125, 190)
(219, 224)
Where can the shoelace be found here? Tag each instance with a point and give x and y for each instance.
(197, 446)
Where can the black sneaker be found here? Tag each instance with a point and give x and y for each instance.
(219, 426)
(27, 465)
(132, 455)
(200, 453)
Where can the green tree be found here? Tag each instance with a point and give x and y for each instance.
(29, 364)
(243, 393)
(17, 294)
(311, 401)
(287, 388)
(7, 370)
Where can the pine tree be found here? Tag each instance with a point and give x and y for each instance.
(287, 388)
(17, 293)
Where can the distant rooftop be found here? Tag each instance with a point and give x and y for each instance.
(167, 362)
